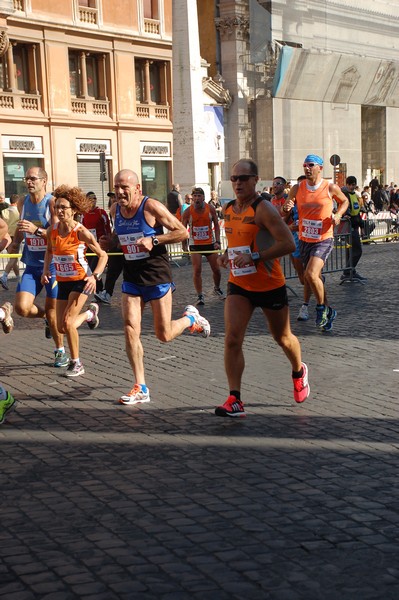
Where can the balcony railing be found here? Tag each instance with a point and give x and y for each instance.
(152, 26)
(88, 15)
(96, 108)
(30, 102)
(152, 111)
(19, 5)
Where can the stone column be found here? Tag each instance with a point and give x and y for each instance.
(233, 26)
(147, 83)
(102, 78)
(189, 154)
(83, 76)
(11, 77)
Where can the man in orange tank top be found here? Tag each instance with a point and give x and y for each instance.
(314, 199)
(257, 237)
(200, 217)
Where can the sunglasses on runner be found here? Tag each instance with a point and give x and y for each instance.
(310, 165)
(235, 178)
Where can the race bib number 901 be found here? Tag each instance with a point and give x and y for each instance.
(129, 247)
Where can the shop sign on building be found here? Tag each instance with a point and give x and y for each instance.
(155, 150)
(92, 147)
(21, 144)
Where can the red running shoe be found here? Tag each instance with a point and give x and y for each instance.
(231, 408)
(301, 386)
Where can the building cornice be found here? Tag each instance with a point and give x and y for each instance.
(217, 92)
(25, 23)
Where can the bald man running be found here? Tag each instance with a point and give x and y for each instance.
(139, 223)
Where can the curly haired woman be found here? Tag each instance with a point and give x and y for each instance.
(66, 245)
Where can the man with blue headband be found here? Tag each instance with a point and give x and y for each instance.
(314, 200)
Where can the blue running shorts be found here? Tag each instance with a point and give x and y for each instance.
(147, 292)
(30, 282)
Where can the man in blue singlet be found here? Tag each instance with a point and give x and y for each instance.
(37, 213)
(139, 223)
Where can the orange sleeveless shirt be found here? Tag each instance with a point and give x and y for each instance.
(200, 226)
(314, 210)
(241, 233)
(69, 255)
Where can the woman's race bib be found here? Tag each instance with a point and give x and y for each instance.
(129, 247)
(240, 271)
(65, 266)
(311, 229)
(34, 243)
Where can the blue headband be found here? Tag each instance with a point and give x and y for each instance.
(314, 159)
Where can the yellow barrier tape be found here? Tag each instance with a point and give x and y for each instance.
(381, 237)
(183, 252)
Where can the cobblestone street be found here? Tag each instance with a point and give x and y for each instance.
(168, 502)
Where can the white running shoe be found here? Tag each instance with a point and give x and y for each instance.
(8, 322)
(95, 321)
(74, 370)
(135, 396)
(201, 325)
(303, 314)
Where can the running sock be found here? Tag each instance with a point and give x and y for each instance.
(144, 388)
(320, 305)
(297, 374)
(76, 360)
(62, 349)
(3, 393)
(235, 393)
(192, 319)
(2, 314)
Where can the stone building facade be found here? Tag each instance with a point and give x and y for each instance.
(308, 75)
(81, 77)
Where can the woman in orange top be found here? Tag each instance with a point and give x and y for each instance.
(66, 246)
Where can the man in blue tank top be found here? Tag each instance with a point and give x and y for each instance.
(37, 213)
(139, 222)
